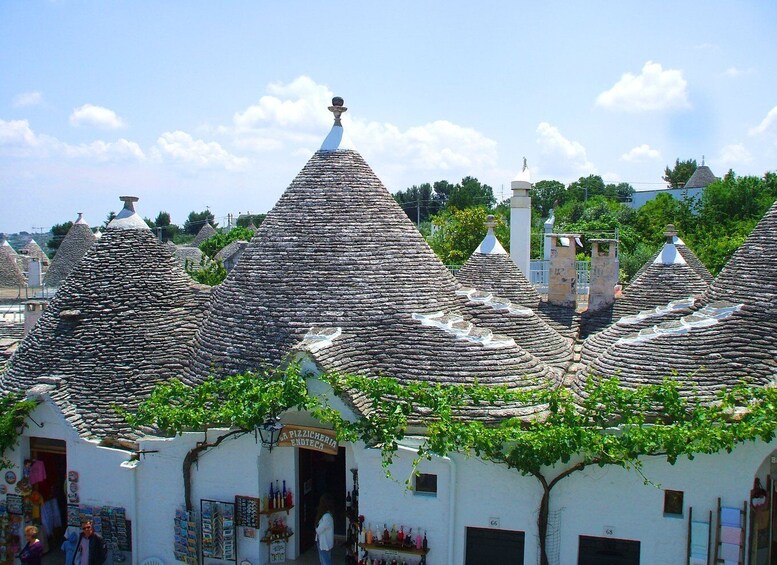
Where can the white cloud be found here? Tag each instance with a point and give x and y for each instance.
(106, 151)
(733, 155)
(641, 153)
(26, 99)
(734, 72)
(18, 139)
(96, 116)
(17, 133)
(654, 89)
(294, 117)
(767, 125)
(300, 104)
(182, 147)
(560, 156)
(440, 145)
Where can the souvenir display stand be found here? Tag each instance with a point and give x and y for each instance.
(730, 535)
(185, 548)
(277, 534)
(108, 521)
(217, 527)
(699, 535)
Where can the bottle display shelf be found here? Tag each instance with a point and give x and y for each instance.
(276, 510)
(284, 537)
(391, 547)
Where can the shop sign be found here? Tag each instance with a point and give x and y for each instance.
(317, 439)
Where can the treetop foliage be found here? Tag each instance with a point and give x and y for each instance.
(677, 176)
(196, 220)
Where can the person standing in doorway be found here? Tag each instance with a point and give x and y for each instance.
(325, 529)
(91, 547)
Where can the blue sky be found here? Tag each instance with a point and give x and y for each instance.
(191, 105)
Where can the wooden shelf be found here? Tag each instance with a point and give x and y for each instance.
(270, 540)
(389, 547)
(276, 510)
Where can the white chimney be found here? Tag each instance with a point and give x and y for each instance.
(35, 274)
(520, 221)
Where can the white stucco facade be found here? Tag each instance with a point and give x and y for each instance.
(598, 502)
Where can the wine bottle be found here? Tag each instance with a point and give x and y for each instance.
(425, 544)
(386, 535)
(393, 533)
(369, 534)
(284, 495)
(348, 502)
(272, 497)
(418, 541)
(401, 534)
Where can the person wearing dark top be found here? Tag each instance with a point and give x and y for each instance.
(91, 547)
(32, 552)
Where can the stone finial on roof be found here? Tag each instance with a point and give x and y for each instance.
(80, 219)
(336, 138)
(338, 109)
(127, 218)
(670, 232)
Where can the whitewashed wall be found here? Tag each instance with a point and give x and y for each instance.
(102, 480)
(471, 493)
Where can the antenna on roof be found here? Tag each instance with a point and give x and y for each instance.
(702, 160)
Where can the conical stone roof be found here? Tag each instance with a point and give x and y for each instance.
(729, 336)
(120, 323)
(77, 241)
(490, 271)
(702, 177)
(664, 278)
(687, 254)
(32, 249)
(10, 273)
(337, 257)
(206, 232)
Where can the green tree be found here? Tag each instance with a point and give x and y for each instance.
(216, 243)
(109, 218)
(245, 220)
(458, 232)
(209, 272)
(419, 202)
(471, 192)
(58, 233)
(546, 195)
(196, 220)
(586, 187)
(677, 176)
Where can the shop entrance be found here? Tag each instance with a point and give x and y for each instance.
(48, 488)
(319, 473)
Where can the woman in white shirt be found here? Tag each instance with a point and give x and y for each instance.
(325, 529)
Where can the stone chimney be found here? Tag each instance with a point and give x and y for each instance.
(520, 221)
(562, 278)
(33, 310)
(604, 273)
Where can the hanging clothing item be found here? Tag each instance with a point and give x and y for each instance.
(37, 472)
(50, 516)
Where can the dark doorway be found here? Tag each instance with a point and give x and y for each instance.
(607, 551)
(487, 547)
(319, 473)
(52, 514)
